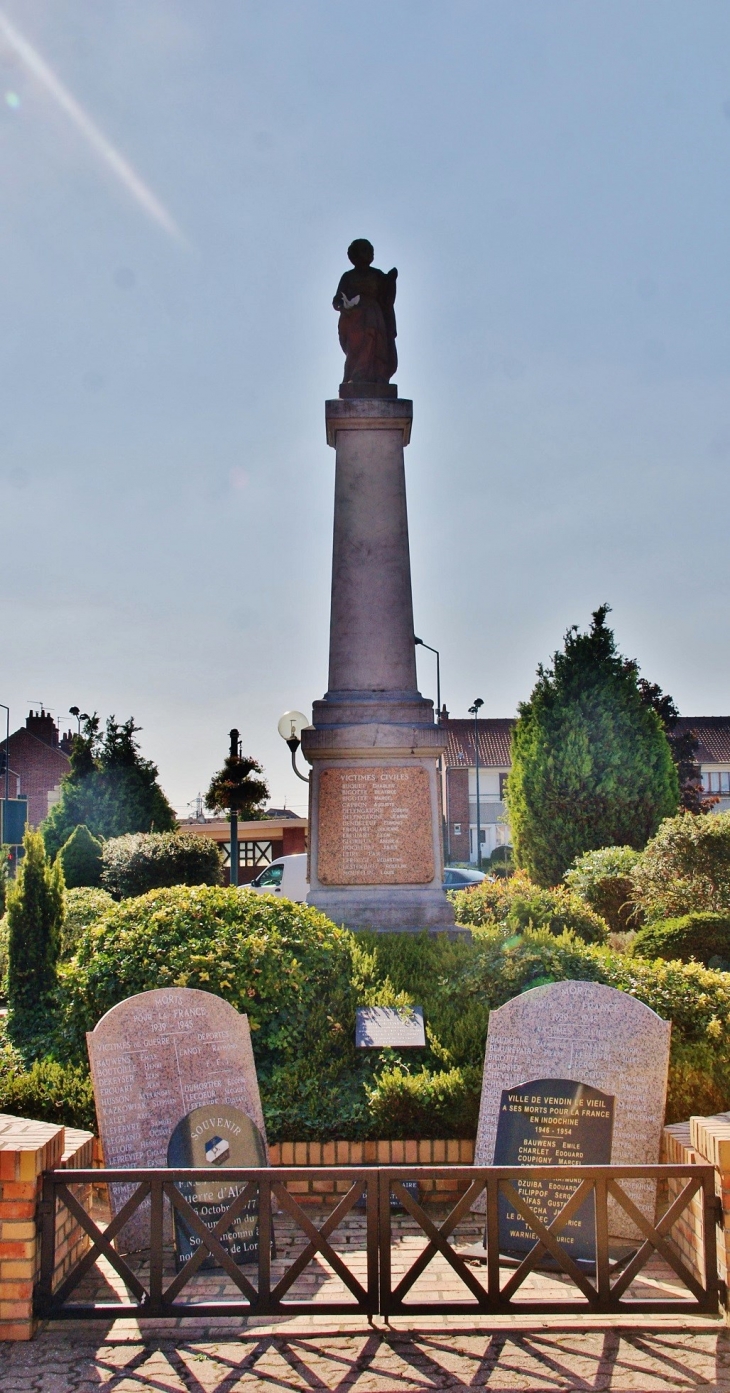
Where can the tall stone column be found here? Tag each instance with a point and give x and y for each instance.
(376, 857)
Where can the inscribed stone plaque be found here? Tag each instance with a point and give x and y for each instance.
(375, 826)
(552, 1122)
(605, 1038)
(216, 1138)
(381, 1027)
(154, 1058)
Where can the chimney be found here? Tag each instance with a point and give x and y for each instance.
(42, 725)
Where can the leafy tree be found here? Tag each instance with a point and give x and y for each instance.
(591, 766)
(683, 745)
(603, 879)
(80, 858)
(238, 787)
(685, 868)
(110, 788)
(143, 861)
(35, 915)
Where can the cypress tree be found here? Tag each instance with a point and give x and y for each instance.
(591, 764)
(35, 915)
(80, 859)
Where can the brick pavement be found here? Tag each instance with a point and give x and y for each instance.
(289, 1354)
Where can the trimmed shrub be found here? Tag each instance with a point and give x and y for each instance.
(4, 944)
(686, 867)
(698, 937)
(49, 1092)
(84, 906)
(603, 879)
(142, 861)
(80, 858)
(443, 1104)
(516, 904)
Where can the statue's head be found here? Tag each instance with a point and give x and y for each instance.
(361, 252)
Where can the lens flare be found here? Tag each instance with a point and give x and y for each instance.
(40, 70)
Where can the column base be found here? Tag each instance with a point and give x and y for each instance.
(385, 908)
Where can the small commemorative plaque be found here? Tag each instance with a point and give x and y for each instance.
(216, 1137)
(552, 1122)
(389, 1027)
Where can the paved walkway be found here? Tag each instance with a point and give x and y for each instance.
(416, 1355)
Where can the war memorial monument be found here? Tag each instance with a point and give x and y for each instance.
(376, 855)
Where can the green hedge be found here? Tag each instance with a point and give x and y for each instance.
(142, 861)
(299, 979)
(702, 937)
(517, 904)
(84, 906)
(603, 879)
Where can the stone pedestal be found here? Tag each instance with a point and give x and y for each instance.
(376, 858)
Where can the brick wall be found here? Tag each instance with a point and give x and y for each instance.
(41, 768)
(457, 812)
(27, 1149)
(697, 1142)
(372, 1153)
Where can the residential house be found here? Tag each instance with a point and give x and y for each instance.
(38, 759)
(459, 778)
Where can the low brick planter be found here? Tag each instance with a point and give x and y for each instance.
(27, 1149)
(372, 1153)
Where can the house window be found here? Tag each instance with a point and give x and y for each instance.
(249, 853)
(457, 829)
(502, 785)
(717, 782)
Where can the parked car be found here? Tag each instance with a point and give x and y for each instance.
(287, 877)
(457, 878)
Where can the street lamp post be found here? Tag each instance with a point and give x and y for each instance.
(419, 642)
(80, 716)
(290, 728)
(233, 815)
(474, 711)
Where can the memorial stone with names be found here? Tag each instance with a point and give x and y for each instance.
(155, 1058)
(389, 1027)
(216, 1138)
(604, 1038)
(551, 1122)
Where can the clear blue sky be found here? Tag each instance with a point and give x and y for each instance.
(180, 182)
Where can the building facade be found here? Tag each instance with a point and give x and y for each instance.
(280, 833)
(39, 758)
(459, 778)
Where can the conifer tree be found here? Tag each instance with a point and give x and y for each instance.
(80, 859)
(591, 764)
(110, 788)
(35, 915)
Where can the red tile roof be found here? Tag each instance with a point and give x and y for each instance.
(495, 733)
(713, 733)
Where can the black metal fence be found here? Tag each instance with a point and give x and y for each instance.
(489, 1288)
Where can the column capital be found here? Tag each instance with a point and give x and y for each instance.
(368, 413)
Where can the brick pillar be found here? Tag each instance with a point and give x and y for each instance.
(27, 1149)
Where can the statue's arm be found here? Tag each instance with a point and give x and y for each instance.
(337, 302)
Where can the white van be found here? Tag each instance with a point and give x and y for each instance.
(287, 876)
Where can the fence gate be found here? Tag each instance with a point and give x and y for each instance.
(376, 1246)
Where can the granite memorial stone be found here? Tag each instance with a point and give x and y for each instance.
(216, 1138)
(551, 1122)
(386, 1027)
(155, 1058)
(606, 1039)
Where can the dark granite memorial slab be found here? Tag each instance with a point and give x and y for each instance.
(217, 1137)
(552, 1122)
(388, 1027)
